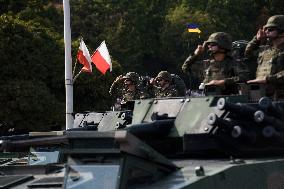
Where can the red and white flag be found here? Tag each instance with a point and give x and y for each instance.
(102, 59)
(84, 57)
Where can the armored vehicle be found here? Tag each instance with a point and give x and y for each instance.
(205, 142)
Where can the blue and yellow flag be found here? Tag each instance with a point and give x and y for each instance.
(193, 28)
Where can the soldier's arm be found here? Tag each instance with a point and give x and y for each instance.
(188, 62)
(192, 58)
(240, 74)
(242, 71)
(231, 80)
(277, 78)
(252, 48)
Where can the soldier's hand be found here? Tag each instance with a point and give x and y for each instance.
(257, 81)
(216, 82)
(199, 50)
(152, 81)
(260, 35)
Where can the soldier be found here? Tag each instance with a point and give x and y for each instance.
(163, 85)
(270, 69)
(238, 53)
(125, 88)
(221, 70)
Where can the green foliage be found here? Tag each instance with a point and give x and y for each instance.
(177, 42)
(12, 6)
(29, 104)
(275, 6)
(234, 17)
(31, 68)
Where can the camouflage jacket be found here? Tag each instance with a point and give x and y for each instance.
(230, 70)
(270, 61)
(117, 90)
(170, 91)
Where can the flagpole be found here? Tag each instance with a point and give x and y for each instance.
(74, 68)
(76, 76)
(68, 66)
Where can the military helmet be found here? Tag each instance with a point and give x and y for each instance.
(222, 39)
(133, 76)
(165, 75)
(276, 21)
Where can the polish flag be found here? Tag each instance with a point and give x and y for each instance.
(101, 58)
(84, 57)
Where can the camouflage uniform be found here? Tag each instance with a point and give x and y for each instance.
(229, 70)
(118, 89)
(270, 59)
(170, 91)
(238, 53)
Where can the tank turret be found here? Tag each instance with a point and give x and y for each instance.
(160, 143)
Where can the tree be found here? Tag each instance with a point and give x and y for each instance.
(31, 76)
(177, 42)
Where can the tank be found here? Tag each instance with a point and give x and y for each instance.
(205, 142)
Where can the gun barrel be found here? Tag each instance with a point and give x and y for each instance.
(240, 109)
(261, 117)
(268, 131)
(273, 108)
(156, 128)
(15, 137)
(265, 103)
(214, 120)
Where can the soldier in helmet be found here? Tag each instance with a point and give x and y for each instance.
(163, 85)
(125, 88)
(268, 46)
(220, 70)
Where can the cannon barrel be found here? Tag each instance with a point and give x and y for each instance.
(268, 131)
(214, 120)
(238, 131)
(240, 109)
(229, 125)
(234, 128)
(261, 117)
(265, 103)
(156, 128)
(15, 137)
(273, 108)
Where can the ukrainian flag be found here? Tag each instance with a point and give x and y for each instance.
(193, 28)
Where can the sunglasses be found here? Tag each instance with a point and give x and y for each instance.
(128, 82)
(270, 29)
(212, 44)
